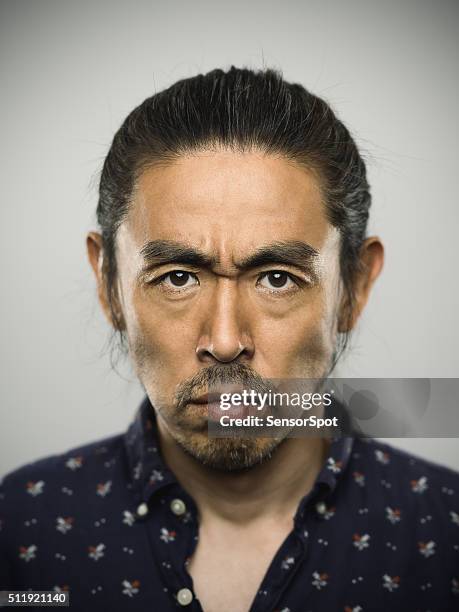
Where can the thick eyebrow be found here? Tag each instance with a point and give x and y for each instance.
(296, 253)
(160, 252)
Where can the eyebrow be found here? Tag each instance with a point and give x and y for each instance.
(291, 252)
(160, 252)
(295, 252)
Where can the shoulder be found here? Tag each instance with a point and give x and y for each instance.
(72, 460)
(50, 480)
(402, 461)
(57, 494)
(399, 478)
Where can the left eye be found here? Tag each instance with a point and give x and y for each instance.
(277, 279)
(179, 279)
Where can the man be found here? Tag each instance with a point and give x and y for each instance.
(232, 250)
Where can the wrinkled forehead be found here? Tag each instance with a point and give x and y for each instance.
(228, 204)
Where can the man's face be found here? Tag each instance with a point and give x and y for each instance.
(227, 265)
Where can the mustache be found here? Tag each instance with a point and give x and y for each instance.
(218, 375)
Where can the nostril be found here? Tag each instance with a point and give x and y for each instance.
(221, 353)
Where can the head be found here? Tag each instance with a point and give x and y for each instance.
(233, 209)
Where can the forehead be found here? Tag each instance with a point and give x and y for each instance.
(215, 200)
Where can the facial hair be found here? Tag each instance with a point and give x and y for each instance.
(225, 454)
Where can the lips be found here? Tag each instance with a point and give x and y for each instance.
(212, 401)
(207, 398)
(215, 394)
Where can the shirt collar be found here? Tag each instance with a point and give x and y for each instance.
(336, 463)
(148, 473)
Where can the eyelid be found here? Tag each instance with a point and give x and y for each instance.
(302, 277)
(296, 284)
(163, 276)
(152, 276)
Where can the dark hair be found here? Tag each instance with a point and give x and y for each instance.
(240, 109)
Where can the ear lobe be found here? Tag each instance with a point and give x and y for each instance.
(371, 264)
(111, 309)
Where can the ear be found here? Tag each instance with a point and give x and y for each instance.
(96, 256)
(372, 261)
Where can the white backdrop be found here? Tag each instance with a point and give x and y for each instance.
(71, 71)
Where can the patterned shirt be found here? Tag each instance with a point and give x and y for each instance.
(109, 522)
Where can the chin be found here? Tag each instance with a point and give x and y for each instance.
(230, 454)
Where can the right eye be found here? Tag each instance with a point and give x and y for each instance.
(178, 279)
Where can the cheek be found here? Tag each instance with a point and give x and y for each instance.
(158, 355)
(302, 343)
(158, 345)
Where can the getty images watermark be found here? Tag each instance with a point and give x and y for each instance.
(264, 401)
(363, 407)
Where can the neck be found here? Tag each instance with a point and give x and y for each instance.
(269, 490)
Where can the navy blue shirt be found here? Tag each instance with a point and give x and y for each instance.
(109, 523)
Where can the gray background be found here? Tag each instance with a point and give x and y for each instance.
(71, 71)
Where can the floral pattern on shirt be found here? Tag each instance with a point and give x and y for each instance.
(378, 531)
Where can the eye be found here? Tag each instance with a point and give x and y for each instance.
(276, 279)
(179, 279)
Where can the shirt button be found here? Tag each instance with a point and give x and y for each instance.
(178, 507)
(142, 509)
(321, 507)
(184, 597)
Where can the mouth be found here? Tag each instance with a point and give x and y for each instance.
(210, 406)
(206, 398)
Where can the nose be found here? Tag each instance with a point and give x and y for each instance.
(225, 335)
